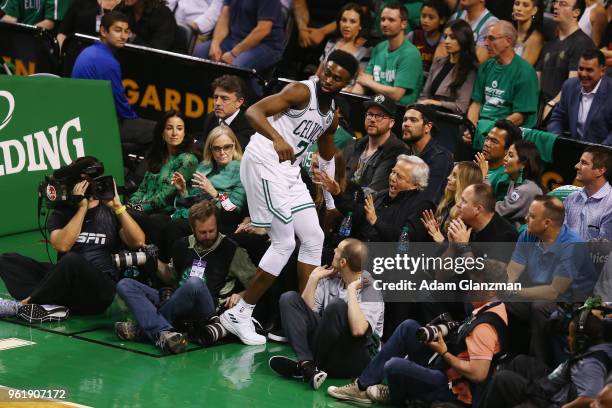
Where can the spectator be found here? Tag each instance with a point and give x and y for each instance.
(218, 174)
(559, 58)
(335, 325)
(418, 127)
(316, 20)
(434, 15)
(604, 398)
(491, 159)
(464, 174)
(480, 19)
(350, 23)
(385, 213)
(208, 265)
(170, 152)
(98, 62)
(553, 264)
(370, 159)
(395, 68)
(229, 94)
(451, 78)
(589, 210)
(594, 20)
(201, 16)
(40, 13)
(82, 17)
(523, 165)
(574, 383)
(152, 23)
(248, 34)
(528, 16)
(84, 235)
(458, 373)
(583, 111)
(506, 85)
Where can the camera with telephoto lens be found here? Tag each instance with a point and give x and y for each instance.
(441, 326)
(57, 188)
(147, 255)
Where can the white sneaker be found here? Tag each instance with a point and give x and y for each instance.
(241, 326)
(379, 393)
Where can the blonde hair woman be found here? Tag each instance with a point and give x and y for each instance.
(464, 174)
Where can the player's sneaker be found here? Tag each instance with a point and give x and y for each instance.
(241, 325)
(33, 313)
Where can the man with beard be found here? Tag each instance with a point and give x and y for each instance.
(287, 123)
(335, 323)
(418, 128)
(207, 265)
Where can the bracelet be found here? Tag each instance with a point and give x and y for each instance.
(120, 210)
(550, 104)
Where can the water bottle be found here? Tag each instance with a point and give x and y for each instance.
(404, 241)
(345, 227)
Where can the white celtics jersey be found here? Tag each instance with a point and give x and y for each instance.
(300, 128)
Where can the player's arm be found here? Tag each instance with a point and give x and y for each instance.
(327, 147)
(293, 95)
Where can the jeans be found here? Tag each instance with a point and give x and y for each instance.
(327, 340)
(259, 57)
(192, 300)
(403, 360)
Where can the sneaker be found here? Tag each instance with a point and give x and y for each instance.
(312, 375)
(278, 335)
(285, 367)
(129, 331)
(349, 392)
(242, 327)
(171, 342)
(9, 307)
(379, 393)
(33, 313)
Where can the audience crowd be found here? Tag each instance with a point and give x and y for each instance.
(532, 64)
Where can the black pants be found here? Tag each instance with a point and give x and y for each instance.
(326, 339)
(72, 282)
(510, 387)
(536, 314)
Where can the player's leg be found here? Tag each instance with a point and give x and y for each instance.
(310, 236)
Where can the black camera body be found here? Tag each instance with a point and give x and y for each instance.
(440, 326)
(57, 188)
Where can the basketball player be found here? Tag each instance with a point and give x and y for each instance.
(287, 123)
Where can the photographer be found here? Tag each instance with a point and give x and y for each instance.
(465, 363)
(211, 268)
(574, 383)
(85, 231)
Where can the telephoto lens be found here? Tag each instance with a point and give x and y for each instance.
(427, 334)
(126, 259)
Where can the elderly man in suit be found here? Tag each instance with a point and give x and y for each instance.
(584, 110)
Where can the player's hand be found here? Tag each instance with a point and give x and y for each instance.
(284, 150)
(178, 181)
(482, 162)
(323, 179)
(79, 190)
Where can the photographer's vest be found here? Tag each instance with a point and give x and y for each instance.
(457, 345)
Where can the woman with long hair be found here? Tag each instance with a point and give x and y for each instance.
(528, 16)
(451, 78)
(349, 38)
(170, 152)
(524, 165)
(464, 174)
(216, 178)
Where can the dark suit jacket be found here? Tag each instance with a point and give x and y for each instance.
(598, 126)
(240, 125)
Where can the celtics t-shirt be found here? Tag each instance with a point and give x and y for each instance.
(31, 12)
(504, 89)
(499, 180)
(401, 68)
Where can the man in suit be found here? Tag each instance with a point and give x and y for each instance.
(229, 92)
(584, 110)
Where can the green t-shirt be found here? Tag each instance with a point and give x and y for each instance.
(401, 68)
(504, 89)
(499, 180)
(31, 12)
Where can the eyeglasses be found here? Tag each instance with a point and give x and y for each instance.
(225, 148)
(376, 116)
